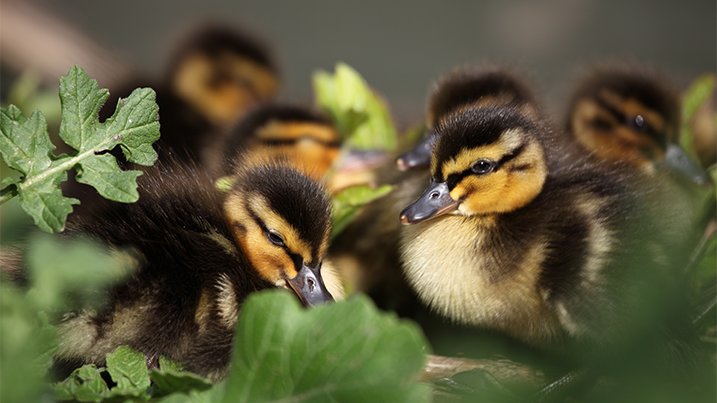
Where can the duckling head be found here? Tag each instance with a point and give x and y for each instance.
(272, 131)
(486, 84)
(486, 161)
(281, 220)
(627, 112)
(223, 73)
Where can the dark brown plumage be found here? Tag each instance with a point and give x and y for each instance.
(199, 254)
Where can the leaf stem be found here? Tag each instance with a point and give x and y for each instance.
(7, 193)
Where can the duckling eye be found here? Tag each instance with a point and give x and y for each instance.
(483, 167)
(275, 238)
(637, 123)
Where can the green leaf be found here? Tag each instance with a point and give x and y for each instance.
(348, 202)
(167, 382)
(85, 384)
(167, 365)
(25, 344)
(81, 267)
(346, 351)
(359, 112)
(128, 369)
(25, 146)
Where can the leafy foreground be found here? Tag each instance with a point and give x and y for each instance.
(342, 352)
(26, 147)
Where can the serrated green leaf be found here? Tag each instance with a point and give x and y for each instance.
(103, 174)
(346, 351)
(128, 369)
(25, 146)
(135, 124)
(43, 201)
(348, 202)
(81, 102)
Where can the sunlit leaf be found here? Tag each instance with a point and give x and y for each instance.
(25, 147)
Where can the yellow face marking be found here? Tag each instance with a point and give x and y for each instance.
(247, 85)
(313, 152)
(618, 142)
(509, 187)
(272, 262)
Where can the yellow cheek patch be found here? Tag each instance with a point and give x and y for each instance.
(508, 141)
(270, 261)
(510, 187)
(274, 222)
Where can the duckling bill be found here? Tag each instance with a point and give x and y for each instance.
(199, 254)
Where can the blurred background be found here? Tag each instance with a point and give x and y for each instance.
(400, 48)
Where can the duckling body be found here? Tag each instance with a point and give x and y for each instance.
(199, 253)
(521, 233)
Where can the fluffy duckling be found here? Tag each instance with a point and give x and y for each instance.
(482, 84)
(199, 254)
(215, 76)
(627, 112)
(367, 249)
(307, 138)
(516, 233)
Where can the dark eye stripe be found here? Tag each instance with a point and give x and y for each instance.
(621, 117)
(453, 179)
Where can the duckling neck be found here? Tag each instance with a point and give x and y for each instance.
(474, 276)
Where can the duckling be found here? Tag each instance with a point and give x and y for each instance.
(273, 130)
(368, 248)
(200, 253)
(624, 111)
(487, 83)
(212, 80)
(518, 232)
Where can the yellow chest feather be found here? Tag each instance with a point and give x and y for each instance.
(456, 275)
